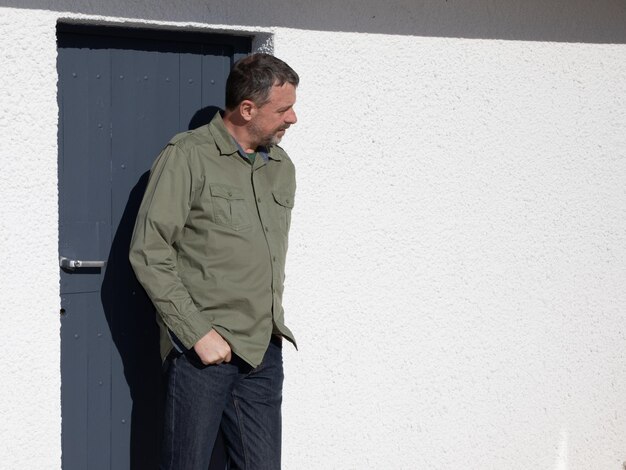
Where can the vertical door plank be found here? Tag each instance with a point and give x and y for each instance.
(190, 90)
(84, 180)
(74, 396)
(98, 191)
(215, 67)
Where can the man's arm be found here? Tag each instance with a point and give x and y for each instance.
(160, 222)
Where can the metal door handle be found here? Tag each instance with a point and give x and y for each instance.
(72, 264)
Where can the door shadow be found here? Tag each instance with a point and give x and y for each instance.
(131, 318)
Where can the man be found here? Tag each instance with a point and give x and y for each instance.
(209, 247)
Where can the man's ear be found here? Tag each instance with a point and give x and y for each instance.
(247, 109)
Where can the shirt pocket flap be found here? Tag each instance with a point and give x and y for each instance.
(226, 192)
(284, 199)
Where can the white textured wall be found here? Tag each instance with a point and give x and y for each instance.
(460, 252)
(457, 267)
(29, 275)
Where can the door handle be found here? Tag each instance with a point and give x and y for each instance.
(72, 264)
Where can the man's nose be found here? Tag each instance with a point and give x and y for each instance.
(291, 117)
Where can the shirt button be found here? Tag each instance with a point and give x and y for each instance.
(267, 229)
(230, 193)
(274, 258)
(258, 199)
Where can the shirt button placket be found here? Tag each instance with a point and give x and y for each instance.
(266, 228)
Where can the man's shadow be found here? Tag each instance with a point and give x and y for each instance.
(131, 318)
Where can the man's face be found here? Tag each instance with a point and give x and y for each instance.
(271, 120)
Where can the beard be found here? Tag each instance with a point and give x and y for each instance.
(267, 139)
(275, 140)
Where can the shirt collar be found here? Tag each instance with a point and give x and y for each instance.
(228, 145)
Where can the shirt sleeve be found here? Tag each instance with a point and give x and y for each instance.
(159, 225)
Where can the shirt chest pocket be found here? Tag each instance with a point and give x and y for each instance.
(229, 207)
(284, 204)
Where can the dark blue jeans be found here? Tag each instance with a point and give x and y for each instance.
(242, 401)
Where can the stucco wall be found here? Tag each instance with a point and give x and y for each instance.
(458, 253)
(29, 389)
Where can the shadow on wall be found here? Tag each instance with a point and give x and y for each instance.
(131, 319)
(600, 21)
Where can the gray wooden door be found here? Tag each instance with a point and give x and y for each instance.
(122, 94)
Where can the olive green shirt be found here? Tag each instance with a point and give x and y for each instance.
(210, 241)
